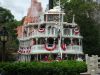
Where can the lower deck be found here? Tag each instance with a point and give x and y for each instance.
(70, 49)
(49, 57)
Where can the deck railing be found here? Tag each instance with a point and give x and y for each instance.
(65, 32)
(42, 47)
(52, 33)
(93, 64)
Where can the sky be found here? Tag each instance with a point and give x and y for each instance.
(19, 7)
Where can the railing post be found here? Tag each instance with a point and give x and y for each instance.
(96, 63)
(71, 32)
(88, 62)
(93, 65)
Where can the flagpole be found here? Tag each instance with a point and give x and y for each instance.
(60, 30)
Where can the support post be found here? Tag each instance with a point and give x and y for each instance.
(40, 57)
(71, 43)
(87, 62)
(36, 43)
(37, 57)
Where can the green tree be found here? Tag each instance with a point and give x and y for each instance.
(7, 20)
(5, 16)
(84, 18)
(90, 33)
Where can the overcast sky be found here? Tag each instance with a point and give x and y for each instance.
(19, 7)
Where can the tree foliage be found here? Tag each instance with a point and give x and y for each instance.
(7, 20)
(90, 34)
(83, 11)
(37, 68)
(5, 16)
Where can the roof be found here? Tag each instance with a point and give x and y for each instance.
(55, 10)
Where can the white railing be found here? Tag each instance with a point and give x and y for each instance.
(74, 47)
(37, 47)
(42, 47)
(46, 33)
(69, 32)
(93, 64)
(66, 32)
(49, 33)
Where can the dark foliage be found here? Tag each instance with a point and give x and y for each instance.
(37, 68)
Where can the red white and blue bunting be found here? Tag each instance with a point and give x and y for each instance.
(50, 48)
(41, 29)
(23, 50)
(76, 31)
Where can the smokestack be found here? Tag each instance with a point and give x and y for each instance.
(50, 4)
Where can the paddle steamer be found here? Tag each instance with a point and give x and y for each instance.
(46, 33)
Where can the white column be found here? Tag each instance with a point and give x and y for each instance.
(26, 58)
(63, 40)
(32, 31)
(59, 44)
(37, 57)
(24, 44)
(79, 44)
(71, 33)
(51, 31)
(36, 44)
(62, 24)
(54, 31)
(37, 33)
(54, 40)
(46, 40)
(20, 58)
(79, 41)
(46, 30)
(46, 18)
(27, 31)
(23, 58)
(71, 43)
(29, 58)
(40, 57)
(22, 31)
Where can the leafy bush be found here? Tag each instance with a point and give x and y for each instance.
(37, 68)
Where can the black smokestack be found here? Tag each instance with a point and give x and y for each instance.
(50, 4)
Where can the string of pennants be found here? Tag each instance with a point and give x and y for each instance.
(23, 50)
